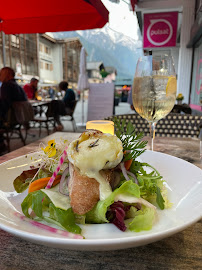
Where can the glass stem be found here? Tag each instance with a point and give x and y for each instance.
(152, 134)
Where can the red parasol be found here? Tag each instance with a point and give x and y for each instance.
(133, 3)
(39, 16)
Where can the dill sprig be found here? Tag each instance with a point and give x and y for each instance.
(132, 142)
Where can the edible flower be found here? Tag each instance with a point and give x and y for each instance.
(50, 149)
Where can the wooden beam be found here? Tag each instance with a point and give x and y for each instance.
(25, 52)
(37, 54)
(20, 49)
(3, 47)
(9, 48)
(66, 63)
(77, 60)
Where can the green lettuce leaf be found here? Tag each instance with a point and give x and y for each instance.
(44, 173)
(151, 184)
(44, 209)
(98, 213)
(143, 220)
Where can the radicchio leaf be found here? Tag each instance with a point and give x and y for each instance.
(21, 182)
(116, 215)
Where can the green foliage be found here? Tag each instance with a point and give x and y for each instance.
(150, 183)
(40, 204)
(104, 73)
(132, 141)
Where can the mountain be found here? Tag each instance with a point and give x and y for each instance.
(110, 47)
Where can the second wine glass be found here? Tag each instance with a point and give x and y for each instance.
(154, 89)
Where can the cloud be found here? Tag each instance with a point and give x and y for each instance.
(121, 19)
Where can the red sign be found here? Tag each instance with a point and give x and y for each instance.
(160, 29)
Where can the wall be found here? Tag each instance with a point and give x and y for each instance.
(46, 60)
(57, 63)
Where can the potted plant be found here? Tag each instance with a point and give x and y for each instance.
(179, 98)
(116, 98)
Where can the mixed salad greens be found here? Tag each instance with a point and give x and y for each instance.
(131, 205)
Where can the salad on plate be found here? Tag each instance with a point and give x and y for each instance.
(97, 178)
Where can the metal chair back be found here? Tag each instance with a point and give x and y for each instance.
(173, 125)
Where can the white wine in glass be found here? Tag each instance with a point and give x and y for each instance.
(154, 89)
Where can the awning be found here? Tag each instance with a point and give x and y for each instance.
(18, 17)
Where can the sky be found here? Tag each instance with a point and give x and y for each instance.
(121, 18)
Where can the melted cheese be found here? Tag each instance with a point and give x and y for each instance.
(91, 156)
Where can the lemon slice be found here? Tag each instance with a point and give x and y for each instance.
(171, 86)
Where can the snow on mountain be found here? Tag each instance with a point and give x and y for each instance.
(110, 47)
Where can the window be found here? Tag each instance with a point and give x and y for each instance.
(47, 66)
(47, 50)
(40, 47)
(41, 64)
(15, 41)
(196, 88)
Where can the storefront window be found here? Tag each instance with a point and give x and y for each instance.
(196, 87)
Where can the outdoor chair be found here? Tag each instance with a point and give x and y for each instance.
(70, 116)
(24, 113)
(173, 125)
(46, 119)
(16, 120)
(182, 108)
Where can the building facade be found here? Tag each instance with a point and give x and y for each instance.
(21, 54)
(188, 50)
(71, 48)
(43, 57)
(94, 70)
(50, 64)
(195, 43)
(59, 60)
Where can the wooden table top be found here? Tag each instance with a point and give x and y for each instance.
(36, 103)
(180, 251)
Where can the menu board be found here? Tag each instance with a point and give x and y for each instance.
(100, 101)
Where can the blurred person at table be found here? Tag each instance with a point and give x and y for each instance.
(69, 96)
(51, 93)
(64, 106)
(10, 92)
(31, 88)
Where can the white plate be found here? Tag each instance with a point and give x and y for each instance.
(184, 182)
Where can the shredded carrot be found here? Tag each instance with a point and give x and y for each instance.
(42, 182)
(127, 164)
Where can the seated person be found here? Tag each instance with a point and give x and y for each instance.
(69, 96)
(31, 88)
(65, 105)
(51, 93)
(10, 92)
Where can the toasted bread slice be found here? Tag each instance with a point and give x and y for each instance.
(84, 191)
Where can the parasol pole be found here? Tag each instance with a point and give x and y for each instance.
(83, 81)
(83, 108)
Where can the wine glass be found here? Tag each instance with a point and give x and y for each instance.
(154, 89)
